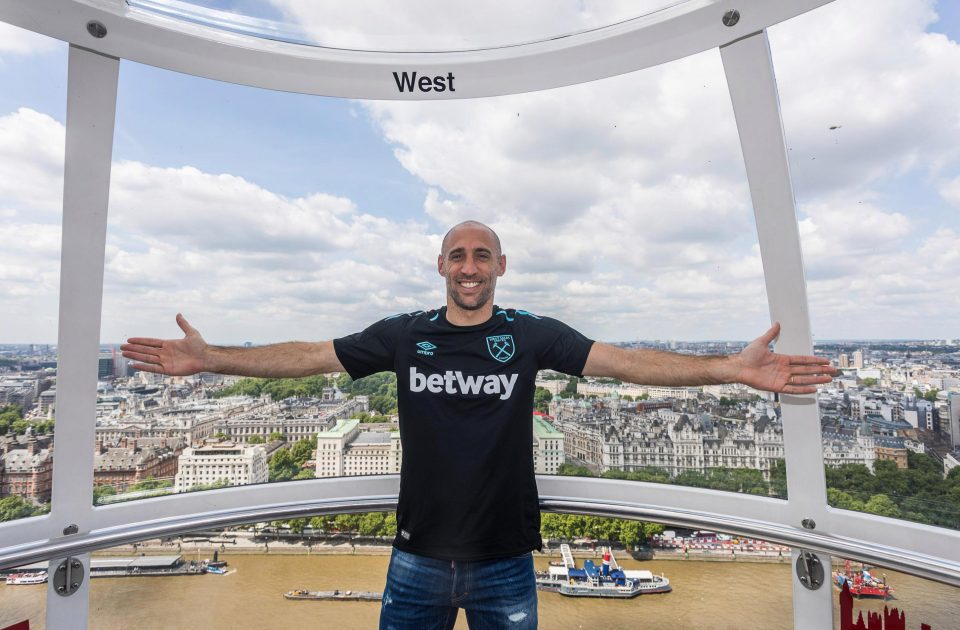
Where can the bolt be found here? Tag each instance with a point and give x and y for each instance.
(62, 567)
(803, 579)
(75, 564)
(61, 589)
(75, 585)
(97, 29)
(809, 523)
(731, 17)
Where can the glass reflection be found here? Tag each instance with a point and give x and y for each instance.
(425, 25)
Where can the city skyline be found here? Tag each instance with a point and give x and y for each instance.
(622, 204)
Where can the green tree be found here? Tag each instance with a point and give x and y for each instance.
(882, 505)
(322, 523)
(843, 500)
(390, 524)
(223, 482)
(303, 450)
(347, 523)
(571, 387)
(255, 439)
(573, 470)
(297, 525)
(102, 491)
(282, 466)
(370, 524)
(14, 507)
(870, 381)
(631, 534)
(151, 484)
(541, 399)
(778, 479)
(8, 416)
(276, 436)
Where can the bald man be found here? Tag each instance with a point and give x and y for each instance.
(468, 515)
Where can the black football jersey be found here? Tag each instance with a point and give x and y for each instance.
(465, 398)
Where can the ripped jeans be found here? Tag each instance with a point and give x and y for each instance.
(426, 594)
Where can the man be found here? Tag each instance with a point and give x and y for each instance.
(468, 514)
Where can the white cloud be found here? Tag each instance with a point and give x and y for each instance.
(18, 41)
(622, 205)
(950, 191)
(31, 151)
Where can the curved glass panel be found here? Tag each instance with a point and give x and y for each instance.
(31, 188)
(283, 216)
(877, 171)
(425, 25)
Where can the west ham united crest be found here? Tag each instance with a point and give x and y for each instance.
(501, 347)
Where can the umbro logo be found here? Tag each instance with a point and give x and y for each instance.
(426, 348)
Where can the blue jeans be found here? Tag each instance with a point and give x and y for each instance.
(426, 594)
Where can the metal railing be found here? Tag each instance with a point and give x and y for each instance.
(907, 561)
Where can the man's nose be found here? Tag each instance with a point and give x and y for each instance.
(469, 266)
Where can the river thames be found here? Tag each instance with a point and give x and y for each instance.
(732, 595)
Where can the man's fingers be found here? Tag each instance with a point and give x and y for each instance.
(801, 359)
(812, 369)
(146, 367)
(141, 348)
(792, 389)
(808, 380)
(146, 358)
(144, 341)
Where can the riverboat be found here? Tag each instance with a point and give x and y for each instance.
(607, 580)
(33, 577)
(357, 596)
(862, 583)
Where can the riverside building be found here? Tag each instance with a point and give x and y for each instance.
(219, 462)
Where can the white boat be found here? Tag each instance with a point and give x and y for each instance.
(33, 577)
(607, 580)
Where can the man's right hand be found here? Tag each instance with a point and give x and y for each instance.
(175, 357)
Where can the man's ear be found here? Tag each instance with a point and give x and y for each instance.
(503, 265)
(440, 264)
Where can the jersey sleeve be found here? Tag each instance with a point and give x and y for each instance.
(565, 349)
(372, 350)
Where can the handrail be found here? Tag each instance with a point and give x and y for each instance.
(910, 562)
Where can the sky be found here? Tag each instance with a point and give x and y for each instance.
(622, 204)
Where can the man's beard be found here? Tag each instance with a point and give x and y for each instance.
(482, 299)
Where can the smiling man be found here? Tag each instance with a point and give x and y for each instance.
(468, 515)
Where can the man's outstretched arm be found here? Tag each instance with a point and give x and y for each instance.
(180, 357)
(755, 366)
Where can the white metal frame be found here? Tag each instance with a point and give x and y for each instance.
(648, 41)
(190, 48)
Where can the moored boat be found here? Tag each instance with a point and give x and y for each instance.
(862, 583)
(607, 580)
(361, 596)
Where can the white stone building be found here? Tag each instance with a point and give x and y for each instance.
(215, 462)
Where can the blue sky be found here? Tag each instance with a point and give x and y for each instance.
(264, 215)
